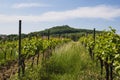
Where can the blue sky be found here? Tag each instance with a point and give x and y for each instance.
(37, 15)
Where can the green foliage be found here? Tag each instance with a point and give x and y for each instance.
(106, 47)
(30, 47)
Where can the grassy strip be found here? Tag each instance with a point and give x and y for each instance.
(70, 62)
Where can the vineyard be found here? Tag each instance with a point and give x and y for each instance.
(29, 48)
(93, 57)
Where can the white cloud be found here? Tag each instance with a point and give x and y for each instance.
(28, 5)
(100, 12)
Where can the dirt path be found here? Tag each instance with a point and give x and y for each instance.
(6, 71)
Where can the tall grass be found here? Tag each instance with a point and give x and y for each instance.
(70, 62)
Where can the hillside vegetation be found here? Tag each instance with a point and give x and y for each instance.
(57, 31)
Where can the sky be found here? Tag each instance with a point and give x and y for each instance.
(37, 15)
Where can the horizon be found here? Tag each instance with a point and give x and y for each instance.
(56, 26)
(47, 28)
(38, 15)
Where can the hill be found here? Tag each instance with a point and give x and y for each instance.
(65, 29)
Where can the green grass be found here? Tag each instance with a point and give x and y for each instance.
(68, 62)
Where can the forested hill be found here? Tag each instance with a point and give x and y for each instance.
(64, 29)
(61, 30)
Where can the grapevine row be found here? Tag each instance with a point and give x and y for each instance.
(105, 49)
(30, 47)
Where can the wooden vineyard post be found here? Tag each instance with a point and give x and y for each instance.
(94, 41)
(48, 34)
(48, 54)
(19, 55)
(49, 48)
